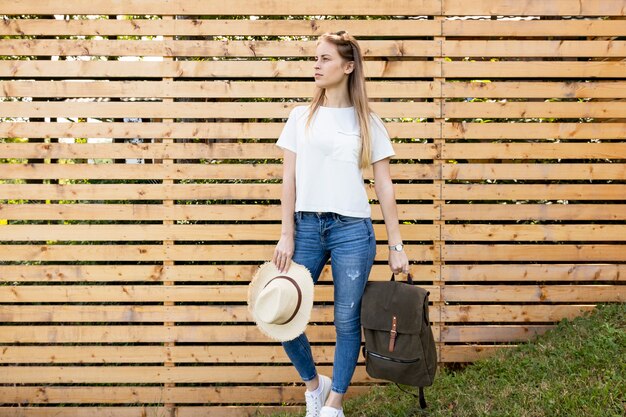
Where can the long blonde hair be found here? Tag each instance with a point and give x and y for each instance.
(349, 50)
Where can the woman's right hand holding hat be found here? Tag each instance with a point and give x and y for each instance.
(283, 253)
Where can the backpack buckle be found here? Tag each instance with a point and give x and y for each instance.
(393, 334)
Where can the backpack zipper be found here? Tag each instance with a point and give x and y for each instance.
(376, 355)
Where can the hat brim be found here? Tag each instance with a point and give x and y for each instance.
(293, 329)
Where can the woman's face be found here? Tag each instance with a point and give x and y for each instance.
(330, 69)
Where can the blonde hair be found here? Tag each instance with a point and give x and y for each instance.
(349, 50)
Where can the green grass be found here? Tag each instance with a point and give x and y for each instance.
(576, 369)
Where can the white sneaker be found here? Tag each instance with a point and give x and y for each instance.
(314, 402)
(331, 412)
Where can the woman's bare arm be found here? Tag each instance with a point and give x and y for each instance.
(398, 261)
(285, 247)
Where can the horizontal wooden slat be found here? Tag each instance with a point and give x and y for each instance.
(171, 273)
(524, 69)
(198, 26)
(492, 333)
(159, 374)
(310, 27)
(534, 7)
(178, 191)
(186, 232)
(469, 353)
(299, 89)
(526, 28)
(527, 130)
(534, 192)
(141, 293)
(200, 7)
(140, 313)
(213, 69)
(533, 109)
(533, 150)
(266, 110)
(135, 293)
(158, 253)
(239, 313)
(187, 171)
(302, 69)
(545, 233)
(263, 232)
(146, 394)
(322, 7)
(226, 48)
(280, 110)
(233, 130)
(519, 252)
(522, 171)
(496, 212)
(532, 89)
(226, 354)
(228, 110)
(257, 48)
(154, 334)
(135, 411)
(517, 313)
(158, 313)
(234, 212)
(214, 89)
(212, 130)
(534, 293)
(530, 48)
(187, 151)
(535, 272)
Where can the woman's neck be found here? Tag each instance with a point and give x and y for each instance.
(336, 98)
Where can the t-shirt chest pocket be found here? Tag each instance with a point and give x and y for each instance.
(347, 146)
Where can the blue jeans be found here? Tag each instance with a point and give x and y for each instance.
(350, 244)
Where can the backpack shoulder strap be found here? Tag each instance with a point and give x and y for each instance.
(420, 396)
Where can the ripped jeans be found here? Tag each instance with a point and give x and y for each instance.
(350, 244)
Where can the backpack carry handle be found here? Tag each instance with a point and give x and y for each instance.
(409, 278)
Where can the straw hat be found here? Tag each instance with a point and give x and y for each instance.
(281, 303)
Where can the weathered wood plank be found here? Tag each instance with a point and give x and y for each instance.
(225, 191)
(232, 212)
(529, 171)
(144, 293)
(528, 211)
(189, 232)
(538, 233)
(535, 293)
(159, 253)
(269, 394)
(233, 7)
(215, 69)
(535, 272)
(209, 150)
(172, 273)
(534, 191)
(244, 170)
(223, 110)
(508, 313)
(589, 253)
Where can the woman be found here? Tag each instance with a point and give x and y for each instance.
(325, 209)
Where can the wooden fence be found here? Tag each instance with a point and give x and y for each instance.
(137, 196)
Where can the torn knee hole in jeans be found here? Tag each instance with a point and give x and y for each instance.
(353, 273)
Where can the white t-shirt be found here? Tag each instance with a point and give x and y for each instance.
(328, 177)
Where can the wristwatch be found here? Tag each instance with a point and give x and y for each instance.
(397, 248)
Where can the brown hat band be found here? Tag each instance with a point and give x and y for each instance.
(299, 294)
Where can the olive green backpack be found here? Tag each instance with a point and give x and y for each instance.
(399, 343)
